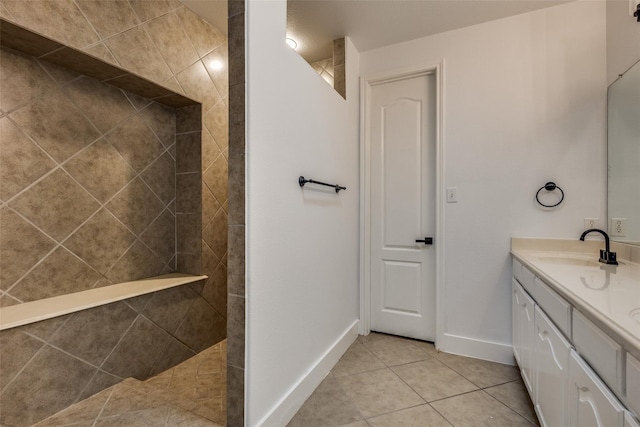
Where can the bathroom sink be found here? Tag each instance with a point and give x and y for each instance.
(569, 260)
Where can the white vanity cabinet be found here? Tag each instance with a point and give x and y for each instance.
(552, 352)
(591, 403)
(523, 334)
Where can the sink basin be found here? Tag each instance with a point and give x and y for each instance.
(569, 260)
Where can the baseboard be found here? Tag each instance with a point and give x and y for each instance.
(479, 349)
(289, 405)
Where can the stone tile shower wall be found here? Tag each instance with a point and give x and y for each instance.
(166, 43)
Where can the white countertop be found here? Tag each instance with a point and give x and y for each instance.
(608, 295)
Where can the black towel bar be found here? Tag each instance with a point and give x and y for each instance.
(302, 181)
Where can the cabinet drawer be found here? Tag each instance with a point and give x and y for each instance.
(633, 383)
(524, 276)
(554, 306)
(603, 354)
(590, 402)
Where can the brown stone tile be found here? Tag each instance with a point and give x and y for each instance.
(236, 190)
(160, 237)
(138, 303)
(7, 300)
(100, 381)
(418, 416)
(101, 170)
(188, 192)
(138, 350)
(216, 120)
(217, 65)
(78, 414)
(22, 40)
(338, 51)
(433, 380)
(136, 142)
(168, 34)
(168, 308)
(189, 263)
(21, 161)
(60, 273)
(104, 105)
(216, 178)
(145, 60)
(147, 10)
(236, 331)
(109, 17)
(328, 405)
(91, 64)
(175, 353)
(355, 360)
(198, 85)
(480, 372)
(173, 85)
(215, 289)
(16, 350)
(56, 125)
(4, 13)
(60, 75)
(21, 247)
(209, 206)
(137, 263)
(162, 120)
(50, 382)
(56, 204)
(393, 350)
(188, 233)
(215, 234)
(92, 334)
(236, 49)
(339, 80)
(210, 150)
(139, 102)
(161, 178)
(188, 152)
(235, 396)
(141, 86)
(204, 37)
(480, 409)
(378, 392)
(27, 80)
(45, 328)
(516, 397)
(201, 327)
(109, 240)
(136, 206)
(236, 260)
(235, 7)
(60, 20)
(189, 119)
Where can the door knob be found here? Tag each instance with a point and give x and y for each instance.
(426, 241)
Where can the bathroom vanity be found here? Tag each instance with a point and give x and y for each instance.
(576, 331)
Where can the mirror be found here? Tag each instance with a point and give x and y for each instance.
(624, 157)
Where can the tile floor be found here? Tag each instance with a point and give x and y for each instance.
(192, 394)
(383, 380)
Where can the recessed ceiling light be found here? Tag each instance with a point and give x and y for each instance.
(292, 43)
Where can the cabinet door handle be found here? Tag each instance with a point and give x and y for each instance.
(426, 241)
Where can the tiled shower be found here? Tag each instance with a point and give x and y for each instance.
(101, 185)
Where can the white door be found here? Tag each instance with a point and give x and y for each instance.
(403, 192)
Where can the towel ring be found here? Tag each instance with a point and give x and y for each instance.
(550, 186)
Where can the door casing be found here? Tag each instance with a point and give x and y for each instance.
(366, 83)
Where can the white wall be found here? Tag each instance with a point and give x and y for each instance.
(302, 245)
(524, 103)
(623, 39)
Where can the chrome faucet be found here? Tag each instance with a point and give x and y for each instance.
(606, 256)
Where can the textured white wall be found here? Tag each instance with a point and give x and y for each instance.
(302, 245)
(524, 103)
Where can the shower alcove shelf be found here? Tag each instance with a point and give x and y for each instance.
(48, 308)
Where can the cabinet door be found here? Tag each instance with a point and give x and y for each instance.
(551, 358)
(524, 335)
(591, 403)
(515, 319)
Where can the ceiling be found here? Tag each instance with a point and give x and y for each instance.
(375, 23)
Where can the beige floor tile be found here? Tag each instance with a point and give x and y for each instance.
(327, 406)
(418, 416)
(361, 423)
(357, 359)
(433, 380)
(379, 392)
(480, 372)
(393, 350)
(478, 409)
(516, 397)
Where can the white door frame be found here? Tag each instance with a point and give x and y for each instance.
(366, 84)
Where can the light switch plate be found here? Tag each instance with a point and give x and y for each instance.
(452, 195)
